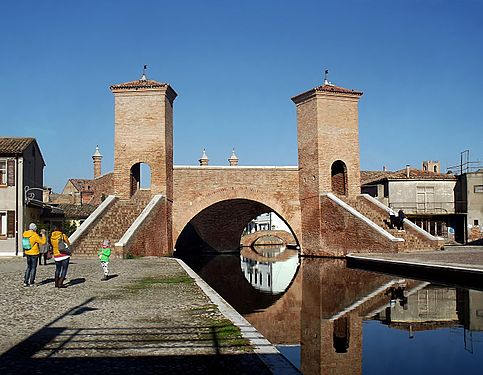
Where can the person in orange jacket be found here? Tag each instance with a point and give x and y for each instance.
(61, 259)
(30, 243)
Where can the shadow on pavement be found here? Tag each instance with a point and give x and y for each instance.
(129, 350)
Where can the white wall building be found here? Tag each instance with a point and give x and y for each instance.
(21, 166)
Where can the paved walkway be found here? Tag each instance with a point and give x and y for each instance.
(468, 258)
(456, 265)
(149, 317)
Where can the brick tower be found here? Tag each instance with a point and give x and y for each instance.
(328, 150)
(97, 159)
(143, 133)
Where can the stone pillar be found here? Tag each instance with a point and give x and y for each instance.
(328, 151)
(97, 159)
(143, 133)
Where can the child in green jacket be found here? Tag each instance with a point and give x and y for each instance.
(104, 253)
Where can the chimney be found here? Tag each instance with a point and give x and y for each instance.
(204, 159)
(233, 160)
(384, 168)
(408, 169)
(97, 158)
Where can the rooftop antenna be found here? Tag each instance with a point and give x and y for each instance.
(326, 77)
(143, 77)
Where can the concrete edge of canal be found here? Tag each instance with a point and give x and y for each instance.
(446, 273)
(265, 350)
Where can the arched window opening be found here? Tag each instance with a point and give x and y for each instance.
(140, 177)
(341, 335)
(339, 178)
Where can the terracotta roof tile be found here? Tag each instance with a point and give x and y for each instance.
(138, 84)
(414, 174)
(337, 89)
(76, 211)
(14, 145)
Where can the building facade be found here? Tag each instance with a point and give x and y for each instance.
(426, 197)
(21, 190)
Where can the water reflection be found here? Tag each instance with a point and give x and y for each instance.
(269, 269)
(409, 326)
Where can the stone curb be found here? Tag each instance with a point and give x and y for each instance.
(267, 353)
(437, 266)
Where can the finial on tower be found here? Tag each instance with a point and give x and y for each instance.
(204, 159)
(326, 77)
(143, 77)
(233, 160)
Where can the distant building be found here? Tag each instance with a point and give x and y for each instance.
(446, 205)
(469, 202)
(21, 190)
(426, 197)
(80, 191)
(267, 221)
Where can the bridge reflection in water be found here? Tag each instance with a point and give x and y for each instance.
(317, 312)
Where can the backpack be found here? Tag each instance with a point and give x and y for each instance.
(63, 247)
(26, 243)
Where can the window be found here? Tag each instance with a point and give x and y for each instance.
(3, 172)
(3, 224)
(478, 188)
(7, 172)
(475, 222)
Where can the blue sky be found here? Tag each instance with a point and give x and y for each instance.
(235, 65)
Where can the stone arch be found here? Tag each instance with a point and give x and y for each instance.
(185, 212)
(338, 173)
(136, 176)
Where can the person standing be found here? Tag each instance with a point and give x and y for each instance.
(104, 253)
(30, 243)
(401, 216)
(392, 218)
(43, 249)
(61, 259)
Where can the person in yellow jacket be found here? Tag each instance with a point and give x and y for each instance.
(61, 259)
(30, 243)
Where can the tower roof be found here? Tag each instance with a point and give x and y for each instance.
(97, 154)
(328, 87)
(138, 84)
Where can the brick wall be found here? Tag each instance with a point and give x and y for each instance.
(251, 191)
(279, 236)
(343, 233)
(151, 239)
(143, 134)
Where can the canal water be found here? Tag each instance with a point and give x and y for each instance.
(328, 318)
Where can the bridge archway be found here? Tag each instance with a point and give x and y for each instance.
(201, 227)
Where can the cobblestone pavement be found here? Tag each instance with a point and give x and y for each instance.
(148, 318)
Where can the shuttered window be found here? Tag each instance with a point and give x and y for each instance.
(3, 172)
(11, 224)
(11, 172)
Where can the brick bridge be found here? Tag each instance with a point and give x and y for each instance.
(208, 206)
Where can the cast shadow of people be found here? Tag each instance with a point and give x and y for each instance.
(77, 281)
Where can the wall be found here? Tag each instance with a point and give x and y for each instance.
(197, 188)
(343, 233)
(8, 202)
(143, 134)
(150, 238)
(403, 194)
(474, 206)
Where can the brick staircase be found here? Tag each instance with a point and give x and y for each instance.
(111, 225)
(412, 239)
